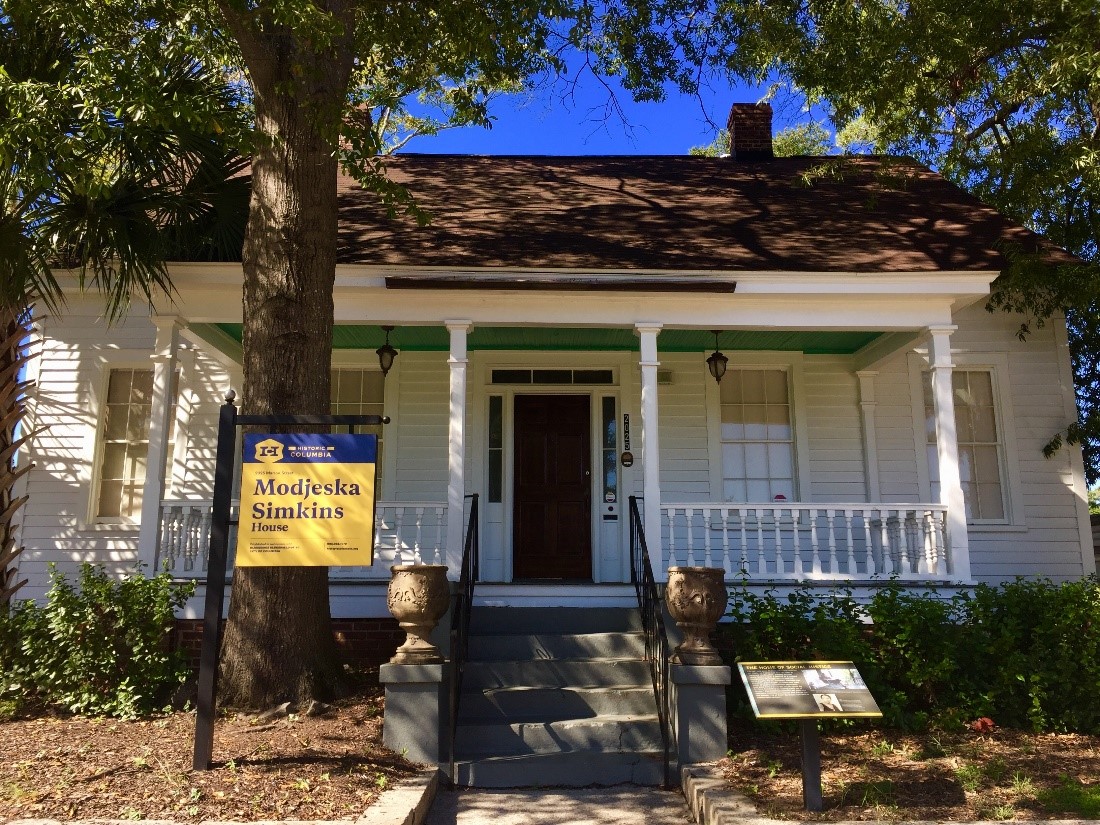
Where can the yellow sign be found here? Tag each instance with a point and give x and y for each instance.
(307, 500)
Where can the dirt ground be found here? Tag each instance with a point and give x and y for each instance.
(998, 774)
(330, 766)
(333, 766)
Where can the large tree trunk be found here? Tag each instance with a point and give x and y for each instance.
(14, 335)
(278, 643)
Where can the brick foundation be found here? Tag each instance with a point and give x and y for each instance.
(364, 643)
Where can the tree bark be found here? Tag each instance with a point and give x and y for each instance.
(278, 644)
(14, 332)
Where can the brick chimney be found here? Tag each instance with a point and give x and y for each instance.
(750, 128)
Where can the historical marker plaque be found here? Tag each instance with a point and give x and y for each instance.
(807, 690)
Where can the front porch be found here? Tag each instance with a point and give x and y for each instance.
(776, 542)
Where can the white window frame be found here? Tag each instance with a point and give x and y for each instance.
(997, 365)
(793, 364)
(91, 476)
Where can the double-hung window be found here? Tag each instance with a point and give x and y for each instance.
(359, 392)
(757, 437)
(124, 443)
(981, 443)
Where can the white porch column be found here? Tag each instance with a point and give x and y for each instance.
(164, 367)
(867, 405)
(456, 445)
(947, 450)
(651, 448)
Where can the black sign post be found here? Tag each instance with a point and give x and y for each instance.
(808, 691)
(217, 559)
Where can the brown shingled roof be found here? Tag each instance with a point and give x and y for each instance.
(678, 213)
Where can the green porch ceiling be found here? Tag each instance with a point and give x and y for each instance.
(575, 339)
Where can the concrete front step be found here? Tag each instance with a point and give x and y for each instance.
(535, 704)
(508, 620)
(549, 673)
(574, 770)
(508, 647)
(601, 734)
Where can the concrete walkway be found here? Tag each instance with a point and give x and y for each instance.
(619, 805)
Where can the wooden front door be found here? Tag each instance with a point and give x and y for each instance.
(552, 530)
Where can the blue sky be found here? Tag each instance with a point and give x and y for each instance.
(548, 122)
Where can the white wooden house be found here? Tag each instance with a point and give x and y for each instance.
(874, 419)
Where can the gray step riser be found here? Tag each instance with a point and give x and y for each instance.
(600, 735)
(551, 673)
(576, 770)
(556, 646)
(489, 620)
(548, 704)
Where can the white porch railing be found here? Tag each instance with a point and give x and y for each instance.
(808, 541)
(404, 532)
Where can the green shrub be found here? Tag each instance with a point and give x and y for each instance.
(99, 647)
(1026, 654)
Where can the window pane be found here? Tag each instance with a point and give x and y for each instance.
(349, 386)
(781, 487)
(730, 388)
(116, 422)
(734, 490)
(986, 464)
(732, 431)
(141, 390)
(756, 460)
(980, 385)
(733, 460)
(780, 464)
(114, 460)
(775, 385)
(990, 502)
(110, 499)
(756, 427)
(759, 490)
(753, 386)
(137, 423)
(984, 424)
(779, 422)
(118, 386)
(496, 422)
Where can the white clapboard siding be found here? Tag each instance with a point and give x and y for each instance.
(684, 437)
(833, 427)
(420, 428)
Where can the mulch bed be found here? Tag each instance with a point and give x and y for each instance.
(945, 776)
(331, 766)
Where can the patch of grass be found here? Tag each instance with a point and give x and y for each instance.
(881, 749)
(995, 770)
(873, 794)
(1022, 784)
(932, 749)
(970, 777)
(1072, 797)
(998, 812)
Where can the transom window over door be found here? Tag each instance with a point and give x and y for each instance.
(981, 449)
(756, 436)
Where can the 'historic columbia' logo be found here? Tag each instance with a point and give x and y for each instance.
(269, 451)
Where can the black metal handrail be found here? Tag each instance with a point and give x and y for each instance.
(460, 623)
(653, 624)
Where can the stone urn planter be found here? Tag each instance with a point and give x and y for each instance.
(696, 598)
(418, 597)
